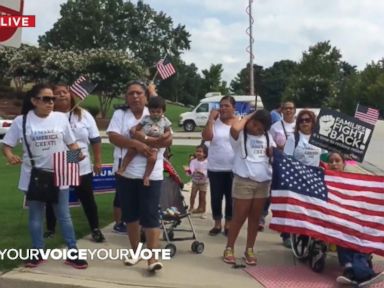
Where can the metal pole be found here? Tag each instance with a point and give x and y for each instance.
(251, 80)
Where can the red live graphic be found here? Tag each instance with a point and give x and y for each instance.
(18, 21)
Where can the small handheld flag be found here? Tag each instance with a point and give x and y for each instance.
(165, 68)
(366, 114)
(82, 87)
(66, 168)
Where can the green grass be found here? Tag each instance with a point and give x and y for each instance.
(14, 219)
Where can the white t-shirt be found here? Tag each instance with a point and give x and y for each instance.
(201, 166)
(305, 153)
(255, 163)
(278, 134)
(121, 122)
(84, 130)
(220, 155)
(45, 136)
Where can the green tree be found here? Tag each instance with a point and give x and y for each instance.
(240, 85)
(212, 81)
(317, 76)
(115, 24)
(274, 82)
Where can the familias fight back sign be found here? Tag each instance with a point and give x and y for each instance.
(336, 131)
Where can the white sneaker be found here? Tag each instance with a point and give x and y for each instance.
(131, 262)
(375, 279)
(155, 266)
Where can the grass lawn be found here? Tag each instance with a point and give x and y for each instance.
(172, 112)
(14, 219)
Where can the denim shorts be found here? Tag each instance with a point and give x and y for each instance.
(139, 202)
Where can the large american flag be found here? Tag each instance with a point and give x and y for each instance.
(346, 209)
(66, 168)
(82, 87)
(165, 68)
(366, 114)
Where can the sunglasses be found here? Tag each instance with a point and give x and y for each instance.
(47, 99)
(305, 120)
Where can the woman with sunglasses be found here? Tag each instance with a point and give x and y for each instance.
(87, 135)
(46, 132)
(298, 146)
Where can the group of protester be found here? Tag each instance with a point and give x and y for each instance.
(237, 164)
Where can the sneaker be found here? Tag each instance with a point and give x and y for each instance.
(131, 262)
(153, 267)
(228, 256)
(49, 234)
(97, 236)
(250, 257)
(214, 231)
(34, 262)
(378, 277)
(120, 228)
(77, 263)
(348, 277)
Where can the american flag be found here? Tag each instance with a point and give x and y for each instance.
(66, 168)
(345, 209)
(82, 87)
(165, 68)
(366, 114)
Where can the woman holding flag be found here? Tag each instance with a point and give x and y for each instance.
(43, 134)
(87, 135)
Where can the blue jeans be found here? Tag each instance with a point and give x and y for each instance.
(359, 262)
(36, 216)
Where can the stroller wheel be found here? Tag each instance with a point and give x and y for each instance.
(317, 256)
(300, 245)
(172, 249)
(170, 235)
(197, 247)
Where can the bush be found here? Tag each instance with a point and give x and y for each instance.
(94, 110)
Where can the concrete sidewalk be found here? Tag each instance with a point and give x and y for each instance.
(186, 269)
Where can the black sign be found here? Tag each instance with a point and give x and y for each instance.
(335, 131)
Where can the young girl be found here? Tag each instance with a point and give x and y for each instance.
(252, 169)
(357, 270)
(198, 171)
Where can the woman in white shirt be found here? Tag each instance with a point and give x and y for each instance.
(87, 135)
(252, 169)
(46, 132)
(220, 158)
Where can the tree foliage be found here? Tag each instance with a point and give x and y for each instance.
(114, 24)
(241, 84)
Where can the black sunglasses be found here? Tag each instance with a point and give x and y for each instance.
(305, 120)
(46, 99)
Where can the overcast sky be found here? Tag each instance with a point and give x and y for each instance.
(283, 29)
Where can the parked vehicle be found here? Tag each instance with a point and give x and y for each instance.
(199, 115)
(4, 126)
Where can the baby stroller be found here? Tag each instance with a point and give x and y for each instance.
(315, 251)
(173, 209)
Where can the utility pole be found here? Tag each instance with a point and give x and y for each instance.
(250, 51)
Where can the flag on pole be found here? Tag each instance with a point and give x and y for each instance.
(66, 168)
(165, 68)
(82, 87)
(366, 114)
(345, 209)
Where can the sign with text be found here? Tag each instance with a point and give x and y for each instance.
(10, 34)
(336, 131)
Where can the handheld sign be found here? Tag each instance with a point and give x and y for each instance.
(336, 131)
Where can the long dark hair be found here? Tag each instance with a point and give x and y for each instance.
(33, 92)
(264, 117)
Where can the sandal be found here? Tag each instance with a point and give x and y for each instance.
(250, 258)
(229, 257)
(214, 231)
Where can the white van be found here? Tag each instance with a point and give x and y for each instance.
(199, 115)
